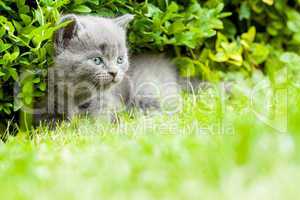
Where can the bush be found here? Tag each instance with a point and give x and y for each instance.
(206, 38)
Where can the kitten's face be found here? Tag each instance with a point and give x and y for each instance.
(93, 49)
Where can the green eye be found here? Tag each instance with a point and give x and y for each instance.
(98, 60)
(120, 60)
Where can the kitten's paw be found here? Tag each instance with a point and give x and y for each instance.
(148, 104)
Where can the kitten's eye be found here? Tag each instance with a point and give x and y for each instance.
(98, 60)
(120, 60)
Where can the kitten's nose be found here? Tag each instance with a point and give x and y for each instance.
(113, 74)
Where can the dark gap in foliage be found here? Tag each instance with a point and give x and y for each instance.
(32, 4)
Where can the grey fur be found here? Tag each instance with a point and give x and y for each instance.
(154, 83)
(78, 86)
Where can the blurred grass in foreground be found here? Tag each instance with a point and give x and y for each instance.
(243, 145)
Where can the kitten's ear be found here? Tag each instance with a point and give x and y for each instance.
(63, 36)
(124, 20)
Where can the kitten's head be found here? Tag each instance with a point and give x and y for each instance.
(92, 49)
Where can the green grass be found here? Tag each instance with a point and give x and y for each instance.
(219, 147)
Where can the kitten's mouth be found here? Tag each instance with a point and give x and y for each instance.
(114, 81)
(105, 81)
(101, 84)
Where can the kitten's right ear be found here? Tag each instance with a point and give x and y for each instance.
(124, 20)
(63, 36)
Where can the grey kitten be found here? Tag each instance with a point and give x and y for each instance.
(91, 74)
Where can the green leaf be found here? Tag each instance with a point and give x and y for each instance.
(42, 86)
(82, 9)
(233, 50)
(176, 27)
(269, 2)
(152, 11)
(245, 11)
(4, 6)
(220, 7)
(15, 54)
(36, 80)
(17, 25)
(13, 73)
(2, 31)
(220, 39)
(296, 39)
(6, 58)
(7, 110)
(95, 2)
(290, 58)
(219, 56)
(28, 100)
(27, 87)
(26, 19)
(186, 66)
(39, 17)
(293, 22)
(259, 53)
(18, 104)
(4, 47)
(248, 38)
(188, 39)
(171, 12)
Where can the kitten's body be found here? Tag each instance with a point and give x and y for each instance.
(155, 81)
(92, 76)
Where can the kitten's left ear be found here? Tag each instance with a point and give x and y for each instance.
(124, 20)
